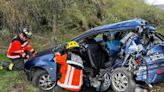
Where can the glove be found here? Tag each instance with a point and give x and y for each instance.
(56, 55)
(34, 52)
(27, 56)
(33, 55)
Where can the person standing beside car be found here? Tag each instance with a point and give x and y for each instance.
(71, 68)
(20, 49)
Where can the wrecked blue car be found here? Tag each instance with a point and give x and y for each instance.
(100, 48)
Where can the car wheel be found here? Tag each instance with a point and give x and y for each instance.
(122, 80)
(41, 79)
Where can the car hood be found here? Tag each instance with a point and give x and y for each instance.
(47, 54)
(43, 55)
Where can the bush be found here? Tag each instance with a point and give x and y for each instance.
(62, 19)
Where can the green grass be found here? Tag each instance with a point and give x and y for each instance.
(3, 57)
(14, 81)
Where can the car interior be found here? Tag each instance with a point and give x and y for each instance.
(96, 52)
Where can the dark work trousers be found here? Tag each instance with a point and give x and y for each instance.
(18, 63)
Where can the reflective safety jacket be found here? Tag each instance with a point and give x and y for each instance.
(18, 48)
(71, 77)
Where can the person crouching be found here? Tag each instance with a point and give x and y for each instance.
(71, 67)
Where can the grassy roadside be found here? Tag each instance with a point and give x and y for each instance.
(14, 81)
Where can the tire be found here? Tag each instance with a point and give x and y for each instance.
(122, 80)
(41, 79)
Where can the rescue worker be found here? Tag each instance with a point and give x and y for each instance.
(20, 49)
(71, 68)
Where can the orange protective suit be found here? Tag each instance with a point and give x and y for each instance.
(18, 47)
(71, 77)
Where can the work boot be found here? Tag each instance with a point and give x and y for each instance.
(10, 67)
(7, 66)
(1, 67)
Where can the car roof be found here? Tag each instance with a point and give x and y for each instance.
(115, 27)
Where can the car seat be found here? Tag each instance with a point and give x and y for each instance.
(113, 45)
(97, 56)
